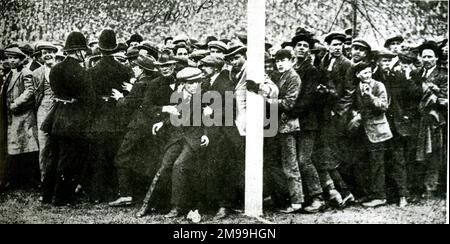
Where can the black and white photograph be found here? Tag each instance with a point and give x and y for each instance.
(224, 112)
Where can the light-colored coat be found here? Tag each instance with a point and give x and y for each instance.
(22, 128)
(373, 111)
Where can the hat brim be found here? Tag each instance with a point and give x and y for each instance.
(240, 50)
(165, 63)
(108, 49)
(389, 41)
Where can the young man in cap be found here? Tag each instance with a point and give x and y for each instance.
(183, 143)
(289, 88)
(216, 85)
(43, 95)
(66, 124)
(432, 81)
(333, 137)
(402, 116)
(106, 128)
(217, 48)
(307, 108)
(372, 128)
(22, 145)
(133, 154)
(394, 44)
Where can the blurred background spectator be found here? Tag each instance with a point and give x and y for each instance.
(52, 20)
(415, 20)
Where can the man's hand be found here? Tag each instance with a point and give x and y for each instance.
(322, 89)
(207, 111)
(116, 95)
(156, 127)
(127, 86)
(367, 90)
(355, 123)
(205, 141)
(265, 89)
(171, 110)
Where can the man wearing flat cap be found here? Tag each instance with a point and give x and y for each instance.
(21, 145)
(432, 81)
(67, 124)
(217, 48)
(182, 145)
(333, 136)
(216, 160)
(402, 117)
(307, 107)
(394, 44)
(106, 128)
(43, 93)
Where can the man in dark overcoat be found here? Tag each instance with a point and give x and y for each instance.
(66, 124)
(106, 130)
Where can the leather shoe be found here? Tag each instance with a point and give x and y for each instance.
(222, 213)
(121, 202)
(294, 208)
(374, 203)
(316, 205)
(175, 212)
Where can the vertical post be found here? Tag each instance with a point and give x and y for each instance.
(255, 109)
(355, 16)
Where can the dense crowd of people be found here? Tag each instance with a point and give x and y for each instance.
(147, 121)
(33, 20)
(416, 20)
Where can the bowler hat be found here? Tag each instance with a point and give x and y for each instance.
(107, 40)
(132, 52)
(166, 59)
(135, 38)
(146, 62)
(335, 35)
(432, 45)
(151, 48)
(75, 41)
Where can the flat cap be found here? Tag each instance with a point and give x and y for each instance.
(190, 74)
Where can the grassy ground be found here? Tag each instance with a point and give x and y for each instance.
(24, 207)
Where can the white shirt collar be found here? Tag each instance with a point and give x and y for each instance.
(213, 78)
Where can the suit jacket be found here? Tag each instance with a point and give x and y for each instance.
(402, 113)
(69, 80)
(222, 85)
(372, 112)
(156, 96)
(308, 105)
(336, 81)
(129, 104)
(289, 88)
(188, 133)
(108, 74)
(21, 119)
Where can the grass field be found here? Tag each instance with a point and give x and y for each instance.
(24, 207)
